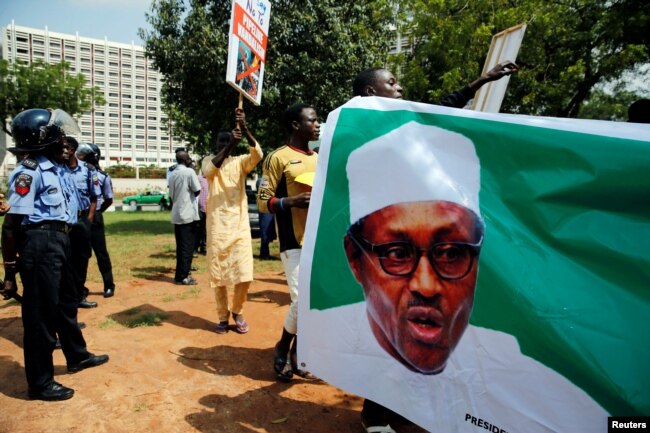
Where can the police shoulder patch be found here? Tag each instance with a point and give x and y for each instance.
(23, 184)
(30, 163)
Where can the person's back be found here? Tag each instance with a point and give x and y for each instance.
(184, 188)
(182, 193)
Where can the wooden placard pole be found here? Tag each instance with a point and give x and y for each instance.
(240, 106)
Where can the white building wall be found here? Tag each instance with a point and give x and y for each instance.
(131, 128)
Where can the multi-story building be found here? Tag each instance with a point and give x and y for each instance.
(131, 128)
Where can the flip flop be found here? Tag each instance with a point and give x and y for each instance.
(240, 323)
(378, 428)
(221, 328)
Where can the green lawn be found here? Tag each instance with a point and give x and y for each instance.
(141, 245)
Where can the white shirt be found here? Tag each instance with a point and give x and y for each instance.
(183, 186)
(487, 377)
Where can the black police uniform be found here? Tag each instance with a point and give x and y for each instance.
(98, 235)
(44, 203)
(50, 297)
(80, 235)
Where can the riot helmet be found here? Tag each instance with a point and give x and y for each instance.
(36, 129)
(98, 152)
(88, 152)
(84, 151)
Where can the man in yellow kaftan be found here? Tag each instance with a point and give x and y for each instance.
(229, 249)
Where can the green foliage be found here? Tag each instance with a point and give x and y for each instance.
(118, 171)
(44, 85)
(569, 48)
(607, 105)
(315, 50)
(152, 172)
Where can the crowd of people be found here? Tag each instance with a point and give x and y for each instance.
(53, 222)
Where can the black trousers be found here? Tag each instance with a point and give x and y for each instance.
(81, 253)
(98, 243)
(49, 307)
(199, 245)
(185, 238)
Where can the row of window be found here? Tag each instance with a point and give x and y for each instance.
(83, 46)
(129, 106)
(137, 127)
(116, 125)
(128, 96)
(127, 116)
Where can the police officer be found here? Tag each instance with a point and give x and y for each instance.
(88, 191)
(90, 154)
(35, 243)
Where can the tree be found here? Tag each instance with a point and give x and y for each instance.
(315, 50)
(603, 105)
(570, 47)
(43, 85)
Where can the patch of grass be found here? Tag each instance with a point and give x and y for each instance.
(168, 298)
(142, 245)
(108, 323)
(189, 294)
(140, 407)
(147, 319)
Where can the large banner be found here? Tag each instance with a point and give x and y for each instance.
(480, 272)
(249, 29)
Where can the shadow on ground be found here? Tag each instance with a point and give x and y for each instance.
(154, 273)
(270, 296)
(12, 379)
(282, 415)
(149, 315)
(11, 329)
(261, 408)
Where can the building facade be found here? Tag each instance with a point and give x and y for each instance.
(131, 128)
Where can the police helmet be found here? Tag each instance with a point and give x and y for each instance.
(88, 152)
(98, 152)
(36, 129)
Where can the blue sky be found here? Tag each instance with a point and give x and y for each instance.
(118, 20)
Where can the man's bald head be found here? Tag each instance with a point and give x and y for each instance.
(183, 157)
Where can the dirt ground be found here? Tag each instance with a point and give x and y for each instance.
(175, 376)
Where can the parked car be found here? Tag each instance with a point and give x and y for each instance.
(253, 215)
(148, 197)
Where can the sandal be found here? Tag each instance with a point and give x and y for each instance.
(281, 366)
(240, 323)
(302, 373)
(221, 328)
(378, 428)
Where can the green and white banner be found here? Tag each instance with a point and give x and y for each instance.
(536, 230)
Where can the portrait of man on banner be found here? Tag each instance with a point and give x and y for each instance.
(414, 240)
